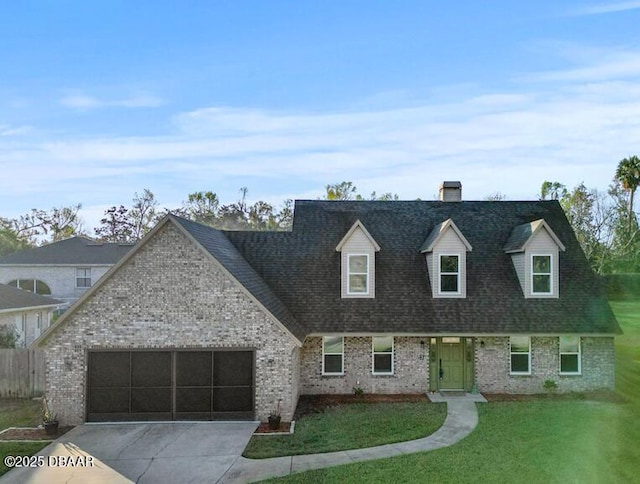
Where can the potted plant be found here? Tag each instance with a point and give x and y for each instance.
(49, 419)
(274, 418)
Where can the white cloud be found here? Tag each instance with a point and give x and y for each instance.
(82, 101)
(604, 8)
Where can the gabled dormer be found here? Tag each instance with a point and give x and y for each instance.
(358, 262)
(535, 253)
(446, 252)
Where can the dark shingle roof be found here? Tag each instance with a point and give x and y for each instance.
(217, 244)
(303, 270)
(13, 298)
(75, 251)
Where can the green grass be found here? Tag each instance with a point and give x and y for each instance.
(352, 426)
(575, 441)
(19, 413)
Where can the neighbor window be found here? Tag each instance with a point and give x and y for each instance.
(382, 355)
(541, 274)
(32, 285)
(358, 274)
(570, 355)
(83, 277)
(332, 355)
(449, 274)
(38, 324)
(520, 355)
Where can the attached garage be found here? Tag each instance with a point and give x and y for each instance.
(170, 385)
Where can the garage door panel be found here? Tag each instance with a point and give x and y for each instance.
(151, 369)
(150, 400)
(193, 400)
(232, 368)
(105, 400)
(193, 368)
(110, 369)
(232, 399)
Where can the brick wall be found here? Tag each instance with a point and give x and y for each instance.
(493, 365)
(170, 295)
(411, 368)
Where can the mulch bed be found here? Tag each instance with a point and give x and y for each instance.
(263, 428)
(600, 396)
(32, 434)
(312, 404)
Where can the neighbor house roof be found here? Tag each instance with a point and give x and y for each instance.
(302, 269)
(73, 251)
(12, 299)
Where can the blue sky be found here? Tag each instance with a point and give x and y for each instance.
(102, 99)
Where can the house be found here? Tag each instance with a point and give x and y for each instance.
(63, 270)
(25, 314)
(390, 297)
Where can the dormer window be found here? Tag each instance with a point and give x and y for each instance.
(541, 276)
(450, 274)
(535, 253)
(358, 278)
(358, 263)
(446, 253)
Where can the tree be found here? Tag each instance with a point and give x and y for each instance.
(552, 191)
(142, 215)
(10, 240)
(115, 226)
(628, 173)
(65, 222)
(495, 197)
(347, 191)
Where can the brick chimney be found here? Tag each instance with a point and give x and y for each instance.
(451, 191)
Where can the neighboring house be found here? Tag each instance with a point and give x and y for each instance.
(63, 270)
(25, 314)
(390, 297)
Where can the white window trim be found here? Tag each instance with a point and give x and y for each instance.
(511, 372)
(440, 274)
(349, 273)
(579, 353)
(90, 277)
(341, 354)
(550, 273)
(374, 353)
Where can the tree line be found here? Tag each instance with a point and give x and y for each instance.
(605, 223)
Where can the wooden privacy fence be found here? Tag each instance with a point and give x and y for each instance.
(21, 373)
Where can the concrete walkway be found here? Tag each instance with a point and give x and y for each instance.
(462, 418)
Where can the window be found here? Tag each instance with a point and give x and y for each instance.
(450, 274)
(38, 324)
(570, 355)
(382, 355)
(332, 355)
(541, 274)
(358, 278)
(32, 285)
(83, 277)
(520, 355)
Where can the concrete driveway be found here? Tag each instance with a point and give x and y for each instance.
(154, 453)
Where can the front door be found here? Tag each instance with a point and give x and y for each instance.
(451, 364)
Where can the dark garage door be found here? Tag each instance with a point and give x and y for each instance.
(170, 385)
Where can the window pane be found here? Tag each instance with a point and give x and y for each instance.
(541, 263)
(358, 283)
(333, 344)
(42, 288)
(569, 363)
(449, 283)
(520, 363)
(14, 283)
(569, 344)
(383, 344)
(333, 363)
(382, 363)
(27, 285)
(520, 344)
(541, 283)
(358, 263)
(449, 263)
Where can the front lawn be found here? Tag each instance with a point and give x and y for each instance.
(531, 441)
(19, 413)
(352, 426)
